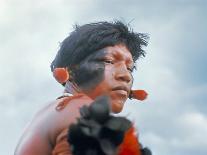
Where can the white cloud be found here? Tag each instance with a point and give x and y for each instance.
(174, 115)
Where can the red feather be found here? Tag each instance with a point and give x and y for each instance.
(61, 75)
(139, 94)
(130, 144)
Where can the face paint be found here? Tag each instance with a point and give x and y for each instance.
(90, 72)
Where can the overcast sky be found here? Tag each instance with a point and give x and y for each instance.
(172, 121)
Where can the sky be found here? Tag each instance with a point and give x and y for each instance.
(172, 121)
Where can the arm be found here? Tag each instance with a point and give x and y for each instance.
(35, 139)
(33, 142)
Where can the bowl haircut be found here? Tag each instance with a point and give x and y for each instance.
(79, 50)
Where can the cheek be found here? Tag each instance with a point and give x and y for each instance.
(132, 80)
(105, 86)
(89, 75)
(109, 75)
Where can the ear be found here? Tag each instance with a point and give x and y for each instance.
(138, 94)
(61, 75)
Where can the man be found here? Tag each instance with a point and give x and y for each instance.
(95, 59)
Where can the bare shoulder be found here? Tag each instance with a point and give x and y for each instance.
(55, 121)
(68, 114)
(47, 124)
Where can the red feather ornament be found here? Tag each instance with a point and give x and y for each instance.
(61, 75)
(138, 94)
(130, 144)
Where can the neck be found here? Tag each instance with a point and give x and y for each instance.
(71, 88)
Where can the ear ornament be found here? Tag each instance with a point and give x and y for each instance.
(61, 75)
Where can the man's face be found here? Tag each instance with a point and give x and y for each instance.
(117, 79)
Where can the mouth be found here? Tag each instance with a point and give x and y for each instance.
(122, 90)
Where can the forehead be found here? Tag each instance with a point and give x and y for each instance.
(119, 51)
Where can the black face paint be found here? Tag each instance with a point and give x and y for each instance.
(90, 71)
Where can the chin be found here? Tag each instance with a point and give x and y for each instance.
(117, 107)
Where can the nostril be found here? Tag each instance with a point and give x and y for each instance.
(128, 79)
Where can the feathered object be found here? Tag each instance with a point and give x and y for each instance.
(97, 132)
(61, 75)
(138, 94)
(130, 144)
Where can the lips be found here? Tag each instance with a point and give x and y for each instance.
(121, 90)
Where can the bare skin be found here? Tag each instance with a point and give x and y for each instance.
(39, 137)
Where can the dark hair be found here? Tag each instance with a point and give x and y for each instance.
(89, 38)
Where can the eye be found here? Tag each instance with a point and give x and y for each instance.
(107, 61)
(131, 69)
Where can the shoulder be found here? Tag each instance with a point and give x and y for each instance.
(49, 122)
(69, 113)
(56, 120)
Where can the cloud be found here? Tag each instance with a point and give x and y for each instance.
(173, 119)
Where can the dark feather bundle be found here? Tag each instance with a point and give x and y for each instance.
(97, 132)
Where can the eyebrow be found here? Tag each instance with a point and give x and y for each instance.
(103, 52)
(128, 60)
(98, 54)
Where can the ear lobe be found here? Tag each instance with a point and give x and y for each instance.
(138, 94)
(61, 75)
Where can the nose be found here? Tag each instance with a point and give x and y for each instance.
(123, 74)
